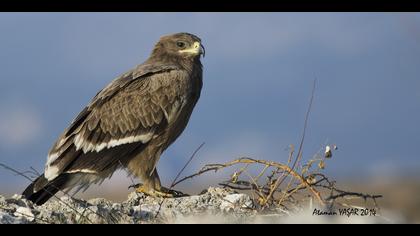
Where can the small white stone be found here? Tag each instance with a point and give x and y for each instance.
(233, 201)
(24, 212)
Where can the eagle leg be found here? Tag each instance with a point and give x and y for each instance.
(152, 187)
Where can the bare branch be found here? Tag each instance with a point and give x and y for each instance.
(186, 164)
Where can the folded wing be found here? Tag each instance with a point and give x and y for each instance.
(121, 118)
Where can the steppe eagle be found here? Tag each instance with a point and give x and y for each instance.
(129, 123)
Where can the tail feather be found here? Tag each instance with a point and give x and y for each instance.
(41, 190)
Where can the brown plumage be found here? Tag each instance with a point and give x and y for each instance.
(129, 123)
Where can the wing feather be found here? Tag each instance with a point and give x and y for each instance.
(124, 112)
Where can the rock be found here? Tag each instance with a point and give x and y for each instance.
(6, 218)
(24, 212)
(236, 201)
(138, 208)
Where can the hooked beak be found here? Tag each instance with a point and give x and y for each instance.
(202, 50)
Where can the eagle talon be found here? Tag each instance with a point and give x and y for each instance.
(135, 186)
(163, 193)
(174, 192)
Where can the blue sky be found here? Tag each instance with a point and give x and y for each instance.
(259, 69)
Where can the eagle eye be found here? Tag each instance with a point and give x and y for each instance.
(180, 44)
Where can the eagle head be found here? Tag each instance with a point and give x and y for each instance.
(179, 45)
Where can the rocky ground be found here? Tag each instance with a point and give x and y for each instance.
(138, 208)
(215, 205)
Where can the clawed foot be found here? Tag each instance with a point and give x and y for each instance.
(162, 193)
